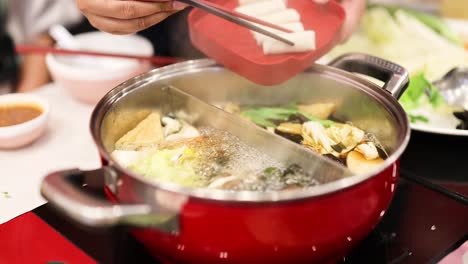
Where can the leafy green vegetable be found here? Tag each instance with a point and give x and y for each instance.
(264, 116)
(171, 165)
(433, 22)
(418, 118)
(405, 39)
(419, 92)
(438, 25)
(411, 97)
(325, 123)
(435, 98)
(380, 26)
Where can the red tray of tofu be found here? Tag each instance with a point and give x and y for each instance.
(235, 47)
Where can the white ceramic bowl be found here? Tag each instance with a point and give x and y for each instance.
(19, 135)
(87, 78)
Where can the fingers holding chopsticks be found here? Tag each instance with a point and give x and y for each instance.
(126, 16)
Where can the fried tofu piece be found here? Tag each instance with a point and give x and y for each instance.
(118, 122)
(147, 133)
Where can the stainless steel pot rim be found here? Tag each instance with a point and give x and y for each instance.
(242, 196)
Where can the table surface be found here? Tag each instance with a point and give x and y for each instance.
(66, 144)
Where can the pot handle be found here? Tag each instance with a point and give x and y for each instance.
(395, 77)
(63, 190)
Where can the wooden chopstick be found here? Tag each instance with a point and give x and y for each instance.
(229, 16)
(156, 60)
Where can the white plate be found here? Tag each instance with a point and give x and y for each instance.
(439, 123)
(439, 130)
(444, 124)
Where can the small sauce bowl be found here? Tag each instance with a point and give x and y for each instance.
(24, 130)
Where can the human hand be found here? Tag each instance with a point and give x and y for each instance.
(354, 11)
(127, 16)
(33, 69)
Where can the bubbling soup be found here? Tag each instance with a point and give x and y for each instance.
(168, 149)
(313, 126)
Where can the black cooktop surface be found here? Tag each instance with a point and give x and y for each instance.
(427, 219)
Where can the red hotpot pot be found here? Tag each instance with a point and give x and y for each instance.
(187, 225)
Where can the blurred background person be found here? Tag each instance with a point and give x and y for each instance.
(27, 22)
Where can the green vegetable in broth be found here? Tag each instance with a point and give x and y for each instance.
(171, 165)
(266, 116)
(263, 116)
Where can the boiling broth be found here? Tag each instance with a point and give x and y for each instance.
(203, 157)
(250, 169)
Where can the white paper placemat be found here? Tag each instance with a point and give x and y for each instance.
(66, 144)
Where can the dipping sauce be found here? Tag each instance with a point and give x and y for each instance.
(14, 114)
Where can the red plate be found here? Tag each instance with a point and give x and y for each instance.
(234, 46)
